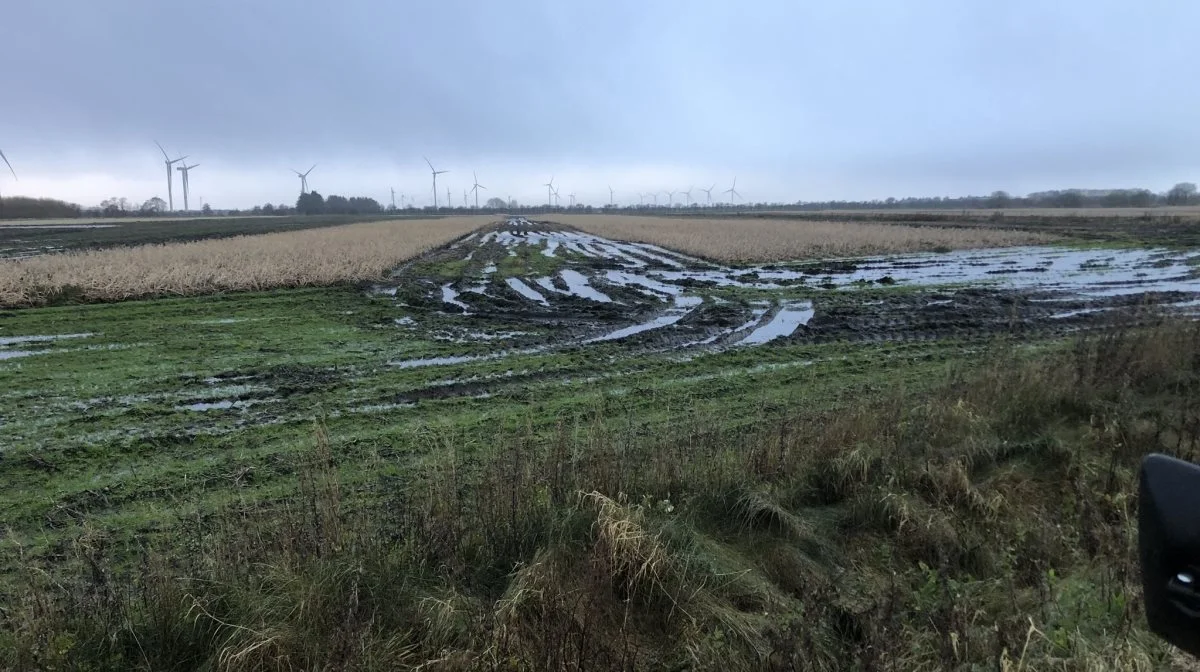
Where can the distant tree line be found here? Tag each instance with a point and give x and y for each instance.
(312, 203)
(1183, 193)
(22, 207)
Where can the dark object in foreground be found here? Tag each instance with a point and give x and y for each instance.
(1169, 545)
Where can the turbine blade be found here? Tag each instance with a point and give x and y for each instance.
(10, 168)
(160, 148)
(430, 164)
(310, 170)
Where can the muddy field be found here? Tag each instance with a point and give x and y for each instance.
(136, 415)
(535, 287)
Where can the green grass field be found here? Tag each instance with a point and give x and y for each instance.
(265, 481)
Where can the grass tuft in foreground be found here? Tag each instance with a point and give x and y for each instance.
(987, 524)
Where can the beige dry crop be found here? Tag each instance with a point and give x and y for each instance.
(313, 257)
(753, 240)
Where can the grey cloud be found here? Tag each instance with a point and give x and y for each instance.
(921, 94)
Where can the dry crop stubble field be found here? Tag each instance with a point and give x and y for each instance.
(314, 257)
(753, 240)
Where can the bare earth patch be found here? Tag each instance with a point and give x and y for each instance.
(747, 240)
(351, 253)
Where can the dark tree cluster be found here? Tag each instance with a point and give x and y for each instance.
(22, 207)
(312, 203)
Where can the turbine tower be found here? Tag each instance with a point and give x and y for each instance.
(732, 191)
(393, 197)
(610, 196)
(14, 174)
(556, 198)
(184, 169)
(572, 197)
(448, 205)
(170, 176)
(303, 179)
(476, 188)
(549, 191)
(708, 193)
(670, 197)
(688, 195)
(436, 172)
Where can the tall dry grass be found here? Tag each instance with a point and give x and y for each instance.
(748, 240)
(314, 257)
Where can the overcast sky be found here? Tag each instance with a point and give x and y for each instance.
(799, 99)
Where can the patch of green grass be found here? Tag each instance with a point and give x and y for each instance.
(963, 518)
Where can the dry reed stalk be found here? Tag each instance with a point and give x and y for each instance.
(750, 240)
(312, 257)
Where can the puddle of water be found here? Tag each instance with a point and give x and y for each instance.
(451, 297)
(682, 306)
(578, 285)
(625, 279)
(1076, 313)
(441, 361)
(13, 354)
(548, 284)
(13, 340)
(784, 323)
(380, 408)
(526, 291)
(222, 405)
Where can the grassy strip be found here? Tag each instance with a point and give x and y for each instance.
(987, 523)
(313, 257)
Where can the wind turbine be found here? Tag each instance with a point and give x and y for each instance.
(476, 188)
(655, 197)
(732, 191)
(688, 195)
(170, 176)
(572, 197)
(448, 198)
(393, 197)
(670, 197)
(610, 196)
(436, 172)
(549, 191)
(14, 174)
(556, 198)
(303, 179)
(641, 199)
(186, 189)
(708, 192)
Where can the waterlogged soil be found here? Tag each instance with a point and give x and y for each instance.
(571, 288)
(140, 416)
